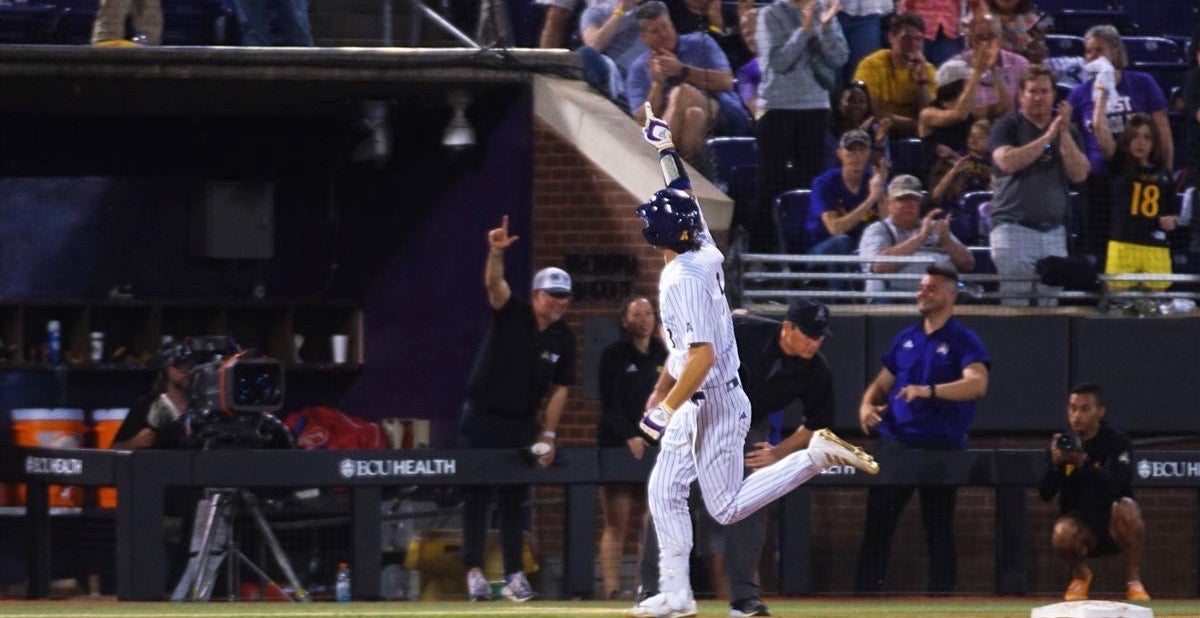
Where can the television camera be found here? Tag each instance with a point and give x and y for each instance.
(232, 394)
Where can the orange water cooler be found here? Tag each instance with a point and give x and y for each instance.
(50, 428)
(105, 423)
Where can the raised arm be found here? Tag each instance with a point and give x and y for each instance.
(497, 288)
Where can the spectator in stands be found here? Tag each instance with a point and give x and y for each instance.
(1090, 469)
(749, 75)
(287, 19)
(108, 29)
(1129, 92)
(708, 16)
(899, 78)
(906, 233)
(687, 81)
(862, 25)
(1035, 155)
(527, 357)
(628, 369)
(1191, 117)
(997, 90)
(1019, 19)
(923, 399)
(942, 21)
(944, 126)
(1068, 70)
(844, 199)
(854, 111)
(611, 42)
(556, 22)
(952, 178)
(1143, 198)
(801, 48)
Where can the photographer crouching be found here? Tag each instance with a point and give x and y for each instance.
(1089, 469)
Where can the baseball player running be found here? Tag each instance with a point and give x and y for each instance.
(698, 409)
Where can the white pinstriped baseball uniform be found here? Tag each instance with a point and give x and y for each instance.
(705, 436)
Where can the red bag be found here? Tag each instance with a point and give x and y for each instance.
(321, 428)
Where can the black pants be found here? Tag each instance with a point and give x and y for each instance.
(791, 153)
(483, 430)
(884, 505)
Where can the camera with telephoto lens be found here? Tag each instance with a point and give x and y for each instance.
(1068, 442)
(232, 393)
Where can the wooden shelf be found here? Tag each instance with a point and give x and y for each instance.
(135, 329)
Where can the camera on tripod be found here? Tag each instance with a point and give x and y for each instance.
(232, 394)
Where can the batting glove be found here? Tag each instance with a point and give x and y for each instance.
(656, 132)
(655, 420)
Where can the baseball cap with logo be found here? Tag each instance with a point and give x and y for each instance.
(904, 185)
(553, 280)
(811, 318)
(854, 136)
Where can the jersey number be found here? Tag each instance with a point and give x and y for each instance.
(1144, 200)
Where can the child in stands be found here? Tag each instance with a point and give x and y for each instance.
(1143, 198)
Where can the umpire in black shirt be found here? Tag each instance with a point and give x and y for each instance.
(781, 363)
(527, 356)
(1089, 469)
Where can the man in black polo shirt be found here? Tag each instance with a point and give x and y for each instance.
(781, 363)
(1090, 470)
(527, 356)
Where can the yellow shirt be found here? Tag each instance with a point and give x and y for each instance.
(892, 89)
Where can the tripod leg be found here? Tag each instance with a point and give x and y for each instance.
(202, 529)
(221, 535)
(277, 552)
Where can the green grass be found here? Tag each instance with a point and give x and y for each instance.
(974, 607)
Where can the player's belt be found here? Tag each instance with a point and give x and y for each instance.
(698, 396)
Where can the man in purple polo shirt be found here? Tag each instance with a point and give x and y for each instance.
(924, 398)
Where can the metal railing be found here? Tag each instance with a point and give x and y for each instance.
(768, 277)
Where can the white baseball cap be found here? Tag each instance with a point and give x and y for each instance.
(552, 280)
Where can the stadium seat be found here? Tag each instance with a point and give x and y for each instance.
(984, 221)
(908, 157)
(966, 224)
(1078, 20)
(743, 190)
(791, 218)
(1064, 45)
(723, 154)
(1153, 51)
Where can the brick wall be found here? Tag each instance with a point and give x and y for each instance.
(578, 208)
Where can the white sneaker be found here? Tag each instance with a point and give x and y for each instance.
(679, 604)
(828, 450)
(478, 588)
(517, 588)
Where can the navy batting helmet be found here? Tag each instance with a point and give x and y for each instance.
(672, 220)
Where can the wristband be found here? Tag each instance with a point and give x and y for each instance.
(618, 12)
(683, 74)
(933, 391)
(714, 29)
(549, 434)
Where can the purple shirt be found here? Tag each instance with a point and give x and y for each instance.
(1138, 93)
(829, 193)
(748, 77)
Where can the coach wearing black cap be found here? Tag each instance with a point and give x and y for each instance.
(781, 363)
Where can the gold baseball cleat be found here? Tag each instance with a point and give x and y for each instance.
(825, 444)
